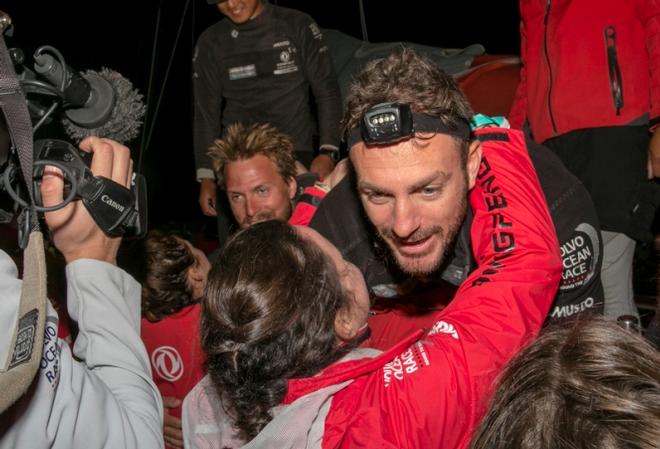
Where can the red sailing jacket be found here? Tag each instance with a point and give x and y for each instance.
(588, 64)
(429, 390)
(175, 352)
(306, 206)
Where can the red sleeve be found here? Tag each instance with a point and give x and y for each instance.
(499, 307)
(306, 206)
(650, 17)
(518, 111)
(515, 245)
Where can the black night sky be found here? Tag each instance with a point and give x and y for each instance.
(149, 37)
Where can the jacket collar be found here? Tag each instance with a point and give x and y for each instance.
(343, 370)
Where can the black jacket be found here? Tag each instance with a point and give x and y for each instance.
(262, 71)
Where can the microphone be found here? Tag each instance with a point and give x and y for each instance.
(97, 103)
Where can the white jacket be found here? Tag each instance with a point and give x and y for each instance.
(99, 396)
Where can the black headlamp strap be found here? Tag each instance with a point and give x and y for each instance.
(430, 124)
(19, 124)
(421, 123)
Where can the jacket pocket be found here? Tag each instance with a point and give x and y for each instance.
(616, 83)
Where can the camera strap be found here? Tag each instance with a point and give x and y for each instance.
(19, 124)
(25, 350)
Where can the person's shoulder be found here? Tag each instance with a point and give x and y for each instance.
(214, 33)
(202, 404)
(292, 15)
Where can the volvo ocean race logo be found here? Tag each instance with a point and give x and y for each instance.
(579, 255)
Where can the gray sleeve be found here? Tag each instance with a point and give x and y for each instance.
(207, 101)
(114, 374)
(100, 395)
(323, 81)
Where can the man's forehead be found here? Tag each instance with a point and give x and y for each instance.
(421, 141)
(255, 170)
(407, 166)
(438, 152)
(257, 164)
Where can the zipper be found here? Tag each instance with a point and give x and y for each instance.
(547, 60)
(616, 83)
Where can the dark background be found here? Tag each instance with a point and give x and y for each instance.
(151, 43)
(143, 39)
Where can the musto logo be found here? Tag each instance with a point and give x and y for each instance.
(579, 256)
(167, 363)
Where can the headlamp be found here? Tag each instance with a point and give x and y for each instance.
(388, 123)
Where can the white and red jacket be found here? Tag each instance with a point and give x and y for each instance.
(587, 64)
(429, 390)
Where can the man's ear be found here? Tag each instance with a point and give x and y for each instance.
(344, 325)
(292, 187)
(473, 162)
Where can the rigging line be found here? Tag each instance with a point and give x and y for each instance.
(167, 72)
(193, 27)
(150, 86)
(363, 22)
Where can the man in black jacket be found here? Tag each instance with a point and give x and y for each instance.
(258, 66)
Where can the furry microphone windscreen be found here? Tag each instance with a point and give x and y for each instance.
(125, 119)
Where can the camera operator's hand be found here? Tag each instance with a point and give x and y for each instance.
(74, 231)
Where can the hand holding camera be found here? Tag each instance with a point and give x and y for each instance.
(117, 209)
(75, 231)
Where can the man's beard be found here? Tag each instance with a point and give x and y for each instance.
(414, 265)
(268, 214)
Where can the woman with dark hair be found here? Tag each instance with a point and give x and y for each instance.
(593, 385)
(282, 316)
(283, 313)
(175, 274)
